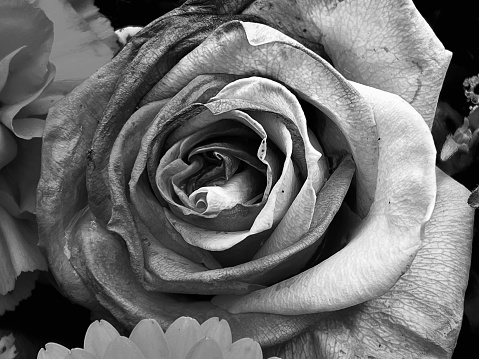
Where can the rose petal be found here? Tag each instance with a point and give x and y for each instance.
(394, 38)
(269, 95)
(386, 242)
(66, 172)
(146, 54)
(143, 195)
(253, 48)
(422, 312)
(120, 167)
(106, 264)
(221, 240)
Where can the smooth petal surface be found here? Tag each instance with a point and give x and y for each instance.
(244, 348)
(78, 353)
(219, 330)
(53, 351)
(205, 348)
(182, 335)
(383, 44)
(150, 339)
(421, 315)
(122, 348)
(98, 337)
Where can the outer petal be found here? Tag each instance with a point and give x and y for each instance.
(386, 242)
(421, 315)
(383, 44)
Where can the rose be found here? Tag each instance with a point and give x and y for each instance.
(117, 238)
(36, 71)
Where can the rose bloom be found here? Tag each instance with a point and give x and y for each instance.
(47, 47)
(219, 166)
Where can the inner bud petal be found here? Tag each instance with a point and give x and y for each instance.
(241, 188)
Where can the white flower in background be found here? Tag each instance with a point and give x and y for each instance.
(47, 47)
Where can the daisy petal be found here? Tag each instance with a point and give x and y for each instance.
(245, 348)
(98, 336)
(80, 354)
(205, 348)
(53, 351)
(150, 339)
(181, 336)
(219, 330)
(122, 348)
